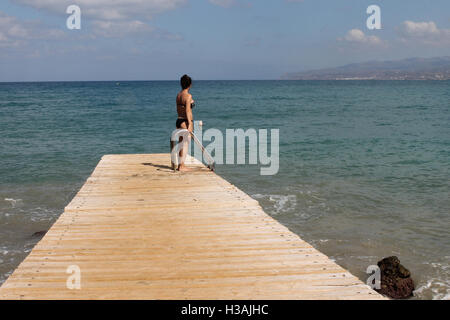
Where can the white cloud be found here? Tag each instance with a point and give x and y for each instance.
(223, 3)
(9, 28)
(118, 29)
(424, 32)
(113, 18)
(356, 36)
(112, 29)
(108, 9)
(231, 3)
(14, 33)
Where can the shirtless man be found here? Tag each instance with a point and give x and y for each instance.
(185, 120)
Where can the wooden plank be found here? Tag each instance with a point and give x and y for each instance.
(138, 230)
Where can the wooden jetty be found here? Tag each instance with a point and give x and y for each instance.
(138, 230)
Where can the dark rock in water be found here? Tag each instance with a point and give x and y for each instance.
(396, 281)
(38, 234)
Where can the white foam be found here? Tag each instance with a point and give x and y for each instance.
(281, 203)
(440, 265)
(13, 201)
(439, 290)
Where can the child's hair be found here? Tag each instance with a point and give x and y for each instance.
(185, 81)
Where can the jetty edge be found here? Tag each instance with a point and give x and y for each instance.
(139, 230)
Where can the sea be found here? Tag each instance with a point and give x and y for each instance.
(363, 165)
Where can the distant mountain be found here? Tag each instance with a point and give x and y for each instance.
(407, 69)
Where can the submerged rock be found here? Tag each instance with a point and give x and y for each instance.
(38, 234)
(396, 281)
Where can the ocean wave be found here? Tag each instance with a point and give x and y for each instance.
(280, 203)
(436, 288)
(300, 203)
(283, 203)
(13, 202)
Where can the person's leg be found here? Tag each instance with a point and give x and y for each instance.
(183, 153)
(184, 149)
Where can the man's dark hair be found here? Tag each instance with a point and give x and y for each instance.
(185, 81)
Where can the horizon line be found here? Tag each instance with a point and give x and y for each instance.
(202, 80)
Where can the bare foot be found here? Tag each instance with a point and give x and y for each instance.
(184, 169)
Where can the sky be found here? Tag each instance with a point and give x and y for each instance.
(210, 39)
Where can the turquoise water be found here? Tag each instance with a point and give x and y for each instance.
(364, 165)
